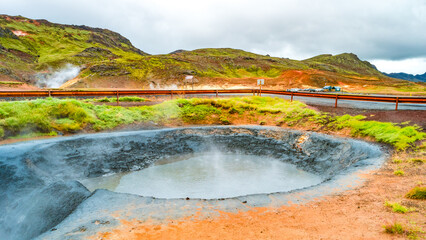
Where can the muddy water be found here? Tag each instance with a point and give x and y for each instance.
(208, 176)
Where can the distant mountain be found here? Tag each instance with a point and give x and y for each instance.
(409, 77)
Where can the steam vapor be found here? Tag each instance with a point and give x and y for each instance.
(56, 79)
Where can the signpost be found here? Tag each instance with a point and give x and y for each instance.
(190, 77)
(260, 82)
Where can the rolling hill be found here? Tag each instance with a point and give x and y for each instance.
(32, 51)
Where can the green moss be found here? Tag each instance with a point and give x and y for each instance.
(67, 125)
(346, 63)
(417, 160)
(121, 99)
(397, 161)
(395, 228)
(398, 228)
(398, 208)
(224, 120)
(10, 83)
(399, 172)
(385, 132)
(195, 113)
(417, 193)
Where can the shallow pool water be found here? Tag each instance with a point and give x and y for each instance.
(208, 176)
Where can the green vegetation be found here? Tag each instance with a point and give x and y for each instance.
(399, 172)
(45, 116)
(121, 99)
(398, 228)
(395, 228)
(417, 193)
(397, 161)
(398, 208)
(10, 83)
(345, 63)
(47, 45)
(400, 137)
(417, 160)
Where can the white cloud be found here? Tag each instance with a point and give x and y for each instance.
(412, 65)
(379, 29)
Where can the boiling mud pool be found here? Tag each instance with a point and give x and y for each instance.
(208, 176)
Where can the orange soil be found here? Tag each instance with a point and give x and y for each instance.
(17, 87)
(355, 214)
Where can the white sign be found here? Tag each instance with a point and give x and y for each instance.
(260, 81)
(189, 77)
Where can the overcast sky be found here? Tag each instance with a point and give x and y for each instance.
(389, 33)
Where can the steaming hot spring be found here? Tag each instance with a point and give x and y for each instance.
(52, 189)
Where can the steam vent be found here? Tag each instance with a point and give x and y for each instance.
(73, 187)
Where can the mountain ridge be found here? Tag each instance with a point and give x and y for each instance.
(407, 76)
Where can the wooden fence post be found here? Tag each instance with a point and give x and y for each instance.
(118, 99)
(396, 106)
(291, 100)
(335, 104)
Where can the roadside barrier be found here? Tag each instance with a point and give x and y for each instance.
(172, 93)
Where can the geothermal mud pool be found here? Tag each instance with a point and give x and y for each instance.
(55, 189)
(209, 176)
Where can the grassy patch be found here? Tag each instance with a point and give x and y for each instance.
(395, 228)
(386, 132)
(10, 83)
(397, 161)
(398, 208)
(399, 229)
(399, 172)
(417, 160)
(121, 99)
(417, 193)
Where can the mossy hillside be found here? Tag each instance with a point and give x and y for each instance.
(52, 45)
(345, 63)
(230, 63)
(235, 63)
(49, 45)
(57, 116)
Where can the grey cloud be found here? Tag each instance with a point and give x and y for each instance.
(380, 29)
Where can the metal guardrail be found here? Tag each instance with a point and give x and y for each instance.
(118, 93)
